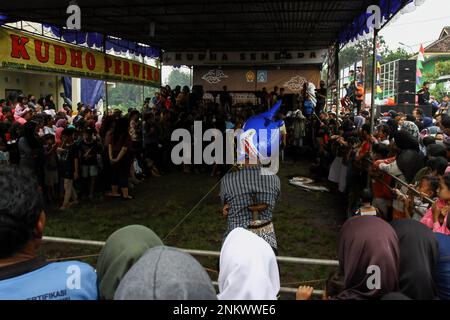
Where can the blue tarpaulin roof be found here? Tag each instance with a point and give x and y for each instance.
(95, 39)
(219, 25)
(359, 27)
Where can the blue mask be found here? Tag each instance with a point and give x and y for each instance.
(256, 142)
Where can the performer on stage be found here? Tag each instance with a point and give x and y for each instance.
(424, 94)
(250, 191)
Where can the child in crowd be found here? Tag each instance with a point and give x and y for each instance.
(366, 209)
(49, 127)
(68, 153)
(417, 207)
(89, 150)
(50, 166)
(435, 217)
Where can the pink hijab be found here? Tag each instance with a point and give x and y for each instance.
(60, 126)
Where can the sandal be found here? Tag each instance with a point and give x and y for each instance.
(128, 198)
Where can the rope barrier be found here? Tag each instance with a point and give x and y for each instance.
(303, 282)
(195, 206)
(204, 253)
(289, 290)
(403, 183)
(74, 257)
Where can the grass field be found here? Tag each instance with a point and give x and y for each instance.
(306, 223)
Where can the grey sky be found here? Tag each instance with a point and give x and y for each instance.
(420, 26)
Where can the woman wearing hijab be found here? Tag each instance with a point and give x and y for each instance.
(61, 124)
(122, 249)
(419, 252)
(368, 244)
(165, 273)
(248, 268)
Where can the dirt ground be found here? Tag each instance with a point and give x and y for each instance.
(306, 223)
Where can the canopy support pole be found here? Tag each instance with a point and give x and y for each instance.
(336, 75)
(374, 79)
(106, 81)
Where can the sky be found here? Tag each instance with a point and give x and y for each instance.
(420, 26)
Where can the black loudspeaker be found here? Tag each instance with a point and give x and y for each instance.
(407, 66)
(406, 71)
(406, 76)
(406, 98)
(406, 87)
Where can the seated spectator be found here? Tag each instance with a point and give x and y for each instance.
(365, 242)
(418, 257)
(121, 251)
(165, 273)
(248, 268)
(23, 273)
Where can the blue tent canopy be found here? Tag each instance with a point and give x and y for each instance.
(95, 39)
(358, 27)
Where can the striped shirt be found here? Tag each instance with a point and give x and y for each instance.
(237, 190)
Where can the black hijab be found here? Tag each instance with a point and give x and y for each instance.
(410, 160)
(404, 141)
(364, 242)
(419, 251)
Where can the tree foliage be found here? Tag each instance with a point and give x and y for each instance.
(362, 51)
(178, 78)
(442, 68)
(124, 96)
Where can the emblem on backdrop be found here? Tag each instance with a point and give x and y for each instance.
(295, 83)
(250, 76)
(214, 76)
(261, 76)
